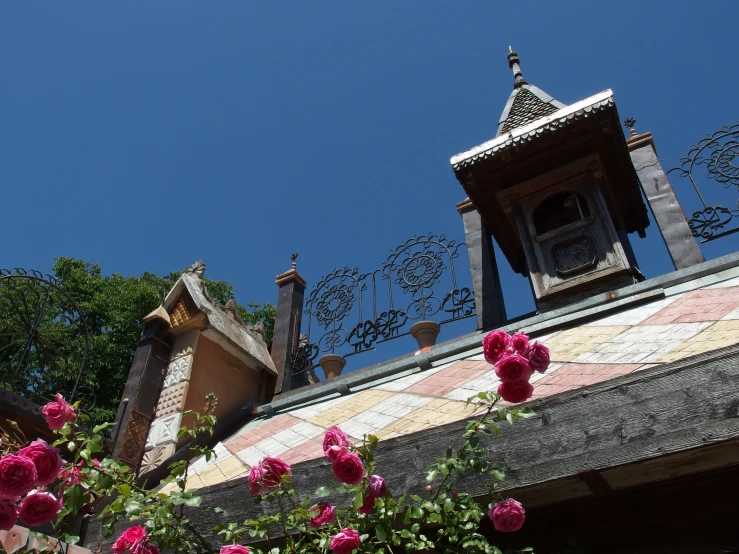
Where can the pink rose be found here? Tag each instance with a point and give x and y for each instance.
(58, 413)
(8, 514)
(520, 342)
(256, 474)
(369, 503)
(39, 508)
(348, 468)
(538, 356)
(17, 476)
(334, 452)
(335, 437)
(235, 549)
(45, 458)
(507, 516)
(326, 514)
(133, 539)
(513, 367)
(267, 475)
(515, 391)
(494, 345)
(377, 486)
(142, 546)
(345, 542)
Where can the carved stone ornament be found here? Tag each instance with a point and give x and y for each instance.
(172, 400)
(197, 269)
(156, 457)
(163, 431)
(178, 371)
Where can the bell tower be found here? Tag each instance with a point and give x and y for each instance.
(557, 190)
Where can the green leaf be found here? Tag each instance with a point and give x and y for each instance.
(193, 502)
(322, 491)
(133, 507)
(381, 533)
(431, 475)
(448, 505)
(416, 512)
(75, 498)
(71, 539)
(71, 446)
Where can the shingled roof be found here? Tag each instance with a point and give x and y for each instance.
(526, 103)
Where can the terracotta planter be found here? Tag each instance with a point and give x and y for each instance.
(425, 333)
(332, 365)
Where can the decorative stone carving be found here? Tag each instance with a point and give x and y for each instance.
(156, 457)
(171, 400)
(181, 313)
(134, 440)
(178, 371)
(185, 344)
(163, 431)
(197, 269)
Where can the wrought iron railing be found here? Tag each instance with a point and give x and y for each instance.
(356, 311)
(717, 155)
(43, 338)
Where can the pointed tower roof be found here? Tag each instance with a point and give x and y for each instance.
(526, 103)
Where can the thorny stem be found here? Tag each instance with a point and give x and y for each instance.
(200, 537)
(464, 447)
(282, 517)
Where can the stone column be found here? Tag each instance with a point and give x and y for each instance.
(666, 208)
(141, 393)
(485, 278)
(287, 325)
(161, 441)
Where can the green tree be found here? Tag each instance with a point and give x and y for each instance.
(113, 308)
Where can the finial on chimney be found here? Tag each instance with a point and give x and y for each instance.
(514, 64)
(294, 260)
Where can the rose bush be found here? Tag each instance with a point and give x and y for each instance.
(445, 520)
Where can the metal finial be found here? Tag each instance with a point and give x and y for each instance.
(629, 124)
(514, 64)
(294, 259)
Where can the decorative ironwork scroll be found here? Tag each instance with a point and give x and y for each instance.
(718, 155)
(43, 338)
(343, 309)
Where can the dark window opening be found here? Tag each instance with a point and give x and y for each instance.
(559, 210)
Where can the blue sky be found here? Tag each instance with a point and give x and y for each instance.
(147, 135)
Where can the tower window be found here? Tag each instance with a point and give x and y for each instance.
(559, 210)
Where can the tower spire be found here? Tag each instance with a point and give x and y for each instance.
(514, 64)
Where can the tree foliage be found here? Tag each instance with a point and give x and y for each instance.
(113, 308)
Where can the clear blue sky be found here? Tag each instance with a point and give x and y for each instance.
(147, 135)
